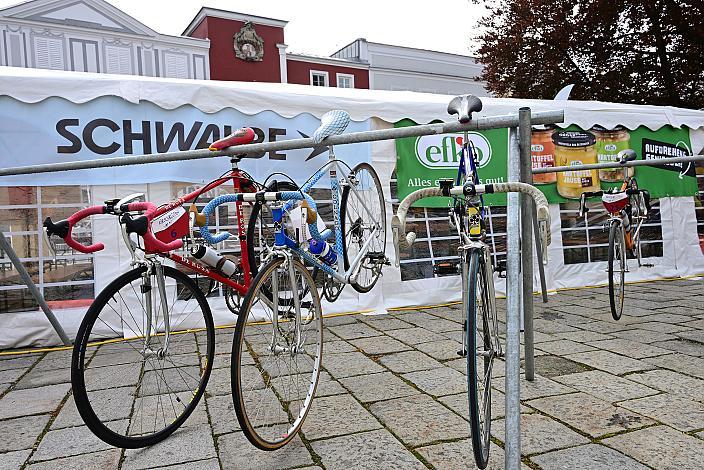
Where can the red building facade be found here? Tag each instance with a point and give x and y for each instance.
(252, 48)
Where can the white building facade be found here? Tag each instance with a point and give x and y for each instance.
(405, 68)
(94, 36)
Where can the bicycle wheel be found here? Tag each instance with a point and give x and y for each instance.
(362, 211)
(616, 268)
(132, 390)
(482, 346)
(260, 230)
(274, 376)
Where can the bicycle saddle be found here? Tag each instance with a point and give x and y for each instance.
(332, 123)
(241, 136)
(463, 106)
(627, 155)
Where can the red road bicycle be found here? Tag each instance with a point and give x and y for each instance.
(144, 350)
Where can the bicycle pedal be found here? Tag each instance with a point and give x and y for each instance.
(376, 256)
(446, 269)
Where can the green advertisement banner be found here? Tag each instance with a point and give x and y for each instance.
(422, 161)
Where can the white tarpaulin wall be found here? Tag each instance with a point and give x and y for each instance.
(370, 109)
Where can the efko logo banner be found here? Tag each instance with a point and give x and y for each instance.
(423, 161)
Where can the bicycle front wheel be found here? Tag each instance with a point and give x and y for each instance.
(482, 346)
(363, 222)
(132, 387)
(616, 269)
(276, 353)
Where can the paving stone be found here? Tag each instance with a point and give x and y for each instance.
(354, 330)
(540, 387)
(590, 415)
(441, 350)
(459, 404)
(14, 460)
(409, 361)
(237, 452)
(104, 459)
(691, 335)
(102, 378)
(588, 457)
(114, 404)
(349, 364)
(438, 382)
(415, 335)
(671, 382)
(72, 441)
(419, 420)
(610, 362)
(379, 345)
(691, 348)
(375, 449)
(678, 412)
(210, 464)
(660, 447)
(681, 363)
(22, 362)
(32, 401)
(222, 414)
(337, 415)
(583, 336)
(663, 327)
(442, 326)
(552, 327)
(40, 378)
(151, 408)
(21, 433)
(336, 347)
(187, 443)
(337, 320)
(633, 349)
(564, 346)
(554, 366)
(607, 327)
(385, 322)
(376, 387)
(458, 456)
(666, 317)
(540, 434)
(11, 375)
(645, 336)
(606, 386)
(219, 382)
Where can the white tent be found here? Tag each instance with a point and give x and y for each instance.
(43, 98)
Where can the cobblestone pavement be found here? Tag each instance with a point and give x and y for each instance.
(626, 395)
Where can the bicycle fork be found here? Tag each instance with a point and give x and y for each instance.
(150, 330)
(295, 346)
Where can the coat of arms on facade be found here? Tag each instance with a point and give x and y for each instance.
(248, 45)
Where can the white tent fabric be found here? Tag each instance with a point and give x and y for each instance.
(32, 85)
(682, 254)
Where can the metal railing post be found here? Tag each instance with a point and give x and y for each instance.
(513, 312)
(27, 279)
(527, 209)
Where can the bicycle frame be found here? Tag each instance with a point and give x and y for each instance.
(283, 242)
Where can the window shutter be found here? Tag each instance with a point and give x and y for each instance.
(49, 53)
(175, 66)
(118, 60)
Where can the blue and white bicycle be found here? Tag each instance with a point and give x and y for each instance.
(278, 342)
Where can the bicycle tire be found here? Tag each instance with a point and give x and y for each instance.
(254, 261)
(368, 274)
(257, 377)
(86, 346)
(479, 394)
(616, 255)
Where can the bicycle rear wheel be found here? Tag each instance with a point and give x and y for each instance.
(132, 389)
(482, 346)
(363, 220)
(616, 269)
(274, 376)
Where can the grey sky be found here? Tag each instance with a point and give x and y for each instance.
(322, 27)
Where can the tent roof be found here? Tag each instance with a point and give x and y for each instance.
(34, 85)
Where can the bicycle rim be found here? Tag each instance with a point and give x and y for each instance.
(362, 211)
(273, 383)
(616, 270)
(133, 391)
(481, 345)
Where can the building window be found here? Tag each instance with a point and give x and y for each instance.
(175, 65)
(84, 55)
(48, 53)
(345, 80)
(66, 279)
(118, 60)
(318, 78)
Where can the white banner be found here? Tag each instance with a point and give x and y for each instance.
(56, 130)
